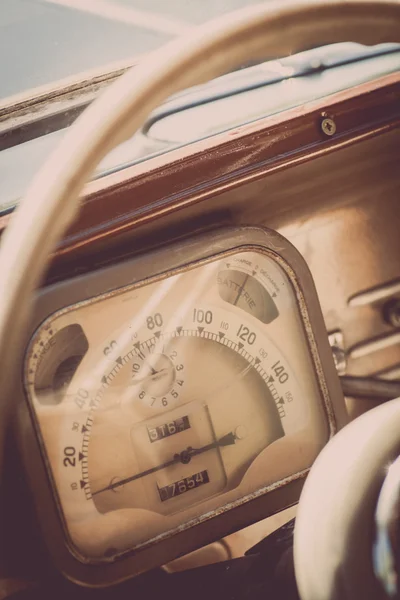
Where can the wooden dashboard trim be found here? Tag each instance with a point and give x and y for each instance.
(187, 175)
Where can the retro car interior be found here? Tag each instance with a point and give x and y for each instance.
(200, 317)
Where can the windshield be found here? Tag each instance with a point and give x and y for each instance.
(46, 40)
(58, 55)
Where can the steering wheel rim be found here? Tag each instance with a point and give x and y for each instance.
(52, 200)
(333, 556)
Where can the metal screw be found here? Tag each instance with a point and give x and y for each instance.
(328, 126)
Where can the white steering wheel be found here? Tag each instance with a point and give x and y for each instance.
(271, 30)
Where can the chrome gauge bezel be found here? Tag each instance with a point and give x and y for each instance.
(137, 272)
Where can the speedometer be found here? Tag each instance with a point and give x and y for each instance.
(183, 390)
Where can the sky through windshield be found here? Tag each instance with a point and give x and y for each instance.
(42, 41)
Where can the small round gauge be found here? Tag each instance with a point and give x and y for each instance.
(195, 392)
(156, 375)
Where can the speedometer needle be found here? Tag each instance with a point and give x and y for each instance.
(183, 457)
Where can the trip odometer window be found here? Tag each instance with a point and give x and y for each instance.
(174, 398)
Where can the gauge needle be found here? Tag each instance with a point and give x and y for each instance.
(241, 288)
(183, 457)
(136, 381)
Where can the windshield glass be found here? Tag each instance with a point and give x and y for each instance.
(58, 56)
(42, 41)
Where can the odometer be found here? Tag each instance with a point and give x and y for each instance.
(181, 395)
(167, 429)
(183, 485)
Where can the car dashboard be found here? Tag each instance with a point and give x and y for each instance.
(181, 366)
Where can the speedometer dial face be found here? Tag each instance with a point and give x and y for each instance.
(165, 401)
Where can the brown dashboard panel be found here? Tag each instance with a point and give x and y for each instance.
(200, 172)
(226, 164)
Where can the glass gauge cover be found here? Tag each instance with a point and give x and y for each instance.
(164, 402)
